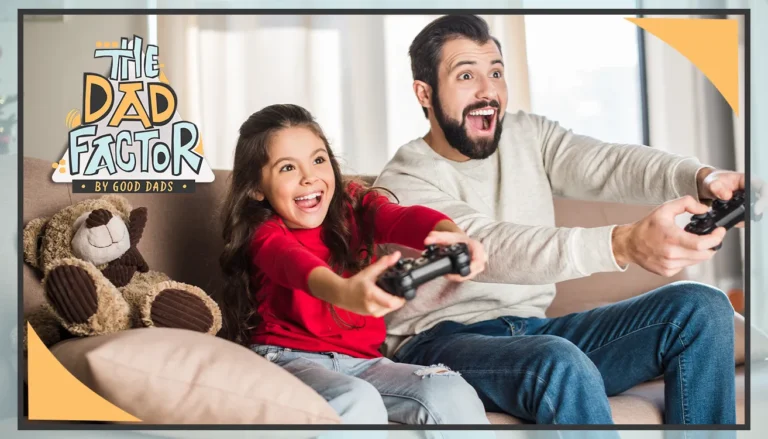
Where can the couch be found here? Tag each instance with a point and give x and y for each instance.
(181, 377)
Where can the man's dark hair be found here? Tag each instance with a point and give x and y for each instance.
(426, 48)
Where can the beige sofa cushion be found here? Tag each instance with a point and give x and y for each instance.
(163, 376)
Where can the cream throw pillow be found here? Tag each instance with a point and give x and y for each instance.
(174, 376)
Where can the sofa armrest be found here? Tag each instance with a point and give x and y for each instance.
(174, 376)
(602, 288)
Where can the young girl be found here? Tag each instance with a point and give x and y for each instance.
(299, 247)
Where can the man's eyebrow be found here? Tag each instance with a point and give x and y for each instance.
(462, 63)
(471, 63)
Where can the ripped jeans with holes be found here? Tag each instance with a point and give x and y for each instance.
(375, 391)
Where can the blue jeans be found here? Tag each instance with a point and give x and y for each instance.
(562, 370)
(373, 391)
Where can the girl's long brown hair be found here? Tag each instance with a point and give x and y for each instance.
(242, 215)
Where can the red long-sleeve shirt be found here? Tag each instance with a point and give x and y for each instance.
(282, 260)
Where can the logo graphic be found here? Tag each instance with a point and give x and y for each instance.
(129, 136)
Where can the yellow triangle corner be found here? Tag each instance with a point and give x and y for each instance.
(712, 45)
(199, 148)
(163, 78)
(56, 395)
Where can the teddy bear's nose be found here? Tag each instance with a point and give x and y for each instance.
(99, 217)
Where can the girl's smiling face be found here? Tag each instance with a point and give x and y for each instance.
(298, 179)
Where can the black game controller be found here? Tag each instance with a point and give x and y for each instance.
(407, 274)
(722, 214)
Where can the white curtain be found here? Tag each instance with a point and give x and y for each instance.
(352, 72)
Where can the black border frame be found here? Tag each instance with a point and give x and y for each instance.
(25, 424)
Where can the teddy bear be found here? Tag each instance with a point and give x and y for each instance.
(97, 282)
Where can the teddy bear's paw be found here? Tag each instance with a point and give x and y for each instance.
(175, 308)
(72, 293)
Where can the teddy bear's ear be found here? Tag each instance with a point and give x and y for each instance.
(33, 234)
(120, 203)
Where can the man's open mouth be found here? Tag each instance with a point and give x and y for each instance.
(483, 119)
(310, 200)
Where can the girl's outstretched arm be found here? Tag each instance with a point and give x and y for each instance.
(418, 226)
(358, 293)
(396, 224)
(277, 254)
(281, 257)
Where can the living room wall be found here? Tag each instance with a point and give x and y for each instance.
(57, 51)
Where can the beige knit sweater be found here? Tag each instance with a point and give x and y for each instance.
(506, 202)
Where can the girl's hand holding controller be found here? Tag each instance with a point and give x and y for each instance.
(476, 251)
(358, 293)
(362, 296)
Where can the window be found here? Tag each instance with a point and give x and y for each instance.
(585, 73)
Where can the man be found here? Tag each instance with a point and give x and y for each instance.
(495, 174)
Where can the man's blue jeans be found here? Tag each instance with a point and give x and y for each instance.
(561, 370)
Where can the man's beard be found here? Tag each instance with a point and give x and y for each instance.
(456, 133)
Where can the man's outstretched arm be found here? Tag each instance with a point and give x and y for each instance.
(528, 255)
(585, 168)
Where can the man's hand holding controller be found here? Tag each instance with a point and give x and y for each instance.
(659, 245)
